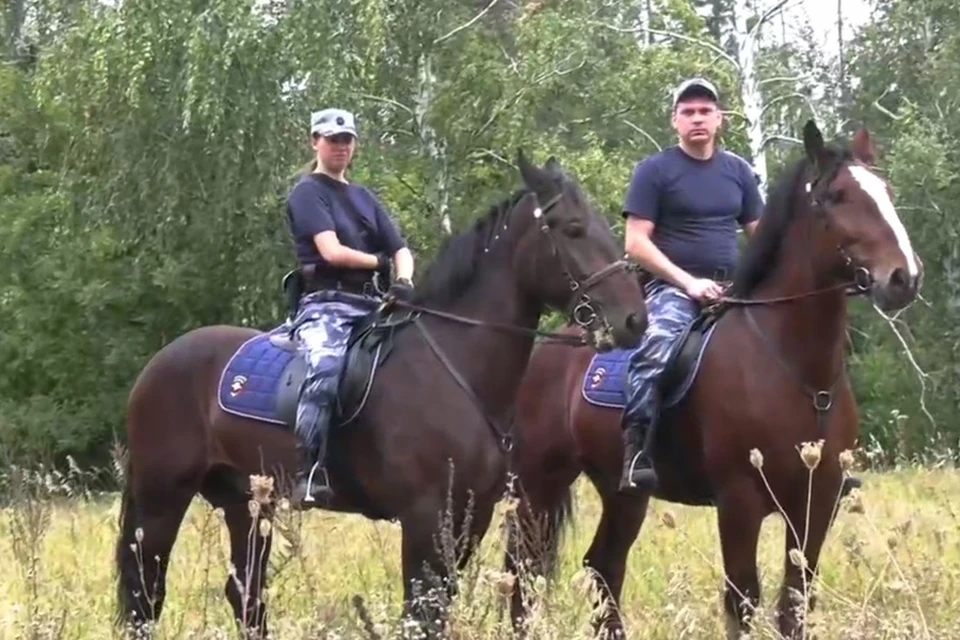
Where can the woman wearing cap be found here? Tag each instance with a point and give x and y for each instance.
(343, 236)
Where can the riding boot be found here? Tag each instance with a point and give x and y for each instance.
(312, 481)
(638, 476)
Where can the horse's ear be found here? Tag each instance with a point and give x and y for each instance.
(813, 143)
(862, 147)
(529, 173)
(553, 166)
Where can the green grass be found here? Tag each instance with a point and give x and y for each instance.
(890, 572)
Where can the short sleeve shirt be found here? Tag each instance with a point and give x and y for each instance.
(695, 205)
(319, 203)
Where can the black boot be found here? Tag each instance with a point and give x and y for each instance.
(312, 487)
(637, 476)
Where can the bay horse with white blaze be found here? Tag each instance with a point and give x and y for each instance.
(427, 391)
(763, 370)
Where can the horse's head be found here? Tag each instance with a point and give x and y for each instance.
(569, 260)
(857, 207)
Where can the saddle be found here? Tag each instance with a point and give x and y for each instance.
(262, 380)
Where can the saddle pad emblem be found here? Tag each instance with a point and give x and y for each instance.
(237, 385)
(598, 377)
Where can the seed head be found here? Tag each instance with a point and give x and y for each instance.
(810, 453)
(756, 458)
(265, 528)
(846, 460)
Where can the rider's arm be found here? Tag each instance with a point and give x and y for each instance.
(312, 215)
(641, 209)
(752, 205)
(396, 246)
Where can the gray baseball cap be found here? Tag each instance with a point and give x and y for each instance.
(330, 122)
(695, 86)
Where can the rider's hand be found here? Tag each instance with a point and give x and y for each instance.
(401, 289)
(383, 262)
(704, 290)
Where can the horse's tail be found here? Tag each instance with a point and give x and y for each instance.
(560, 515)
(125, 563)
(535, 535)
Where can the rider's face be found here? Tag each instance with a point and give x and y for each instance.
(697, 120)
(335, 152)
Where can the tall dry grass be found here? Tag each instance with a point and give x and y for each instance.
(890, 569)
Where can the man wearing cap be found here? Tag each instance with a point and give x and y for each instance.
(343, 236)
(683, 208)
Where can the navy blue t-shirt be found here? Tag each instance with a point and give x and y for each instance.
(695, 205)
(315, 205)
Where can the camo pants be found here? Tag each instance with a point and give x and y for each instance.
(670, 311)
(323, 326)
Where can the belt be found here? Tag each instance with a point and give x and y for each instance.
(360, 283)
(720, 274)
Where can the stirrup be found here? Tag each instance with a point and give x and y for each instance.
(308, 496)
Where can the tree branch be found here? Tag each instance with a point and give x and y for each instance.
(766, 15)
(678, 36)
(390, 101)
(539, 79)
(467, 24)
(921, 374)
(779, 99)
(776, 138)
(641, 131)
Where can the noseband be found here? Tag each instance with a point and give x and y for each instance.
(580, 310)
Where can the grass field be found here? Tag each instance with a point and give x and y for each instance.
(892, 571)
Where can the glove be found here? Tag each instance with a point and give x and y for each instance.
(401, 289)
(383, 262)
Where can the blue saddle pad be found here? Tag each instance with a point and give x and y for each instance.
(250, 381)
(605, 381)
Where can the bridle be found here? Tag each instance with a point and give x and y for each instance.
(580, 309)
(862, 279)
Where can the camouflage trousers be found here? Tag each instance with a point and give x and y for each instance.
(670, 311)
(322, 329)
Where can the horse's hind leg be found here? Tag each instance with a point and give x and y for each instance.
(797, 596)
(149, 525)
(249, 554)
(620, 524)
(740, 513)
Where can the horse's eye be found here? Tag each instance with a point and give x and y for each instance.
(573, 230)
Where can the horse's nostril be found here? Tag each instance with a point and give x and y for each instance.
(634, 323)
(900, 279)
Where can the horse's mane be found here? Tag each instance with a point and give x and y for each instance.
(458, 260)
(763, 250)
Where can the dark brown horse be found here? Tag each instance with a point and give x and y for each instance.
(427, 433)
(770, 377)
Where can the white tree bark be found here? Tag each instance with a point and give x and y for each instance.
(435, 146)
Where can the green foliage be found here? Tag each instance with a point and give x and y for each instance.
(147, 149)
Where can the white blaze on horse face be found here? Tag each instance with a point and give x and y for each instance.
(877, 190)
